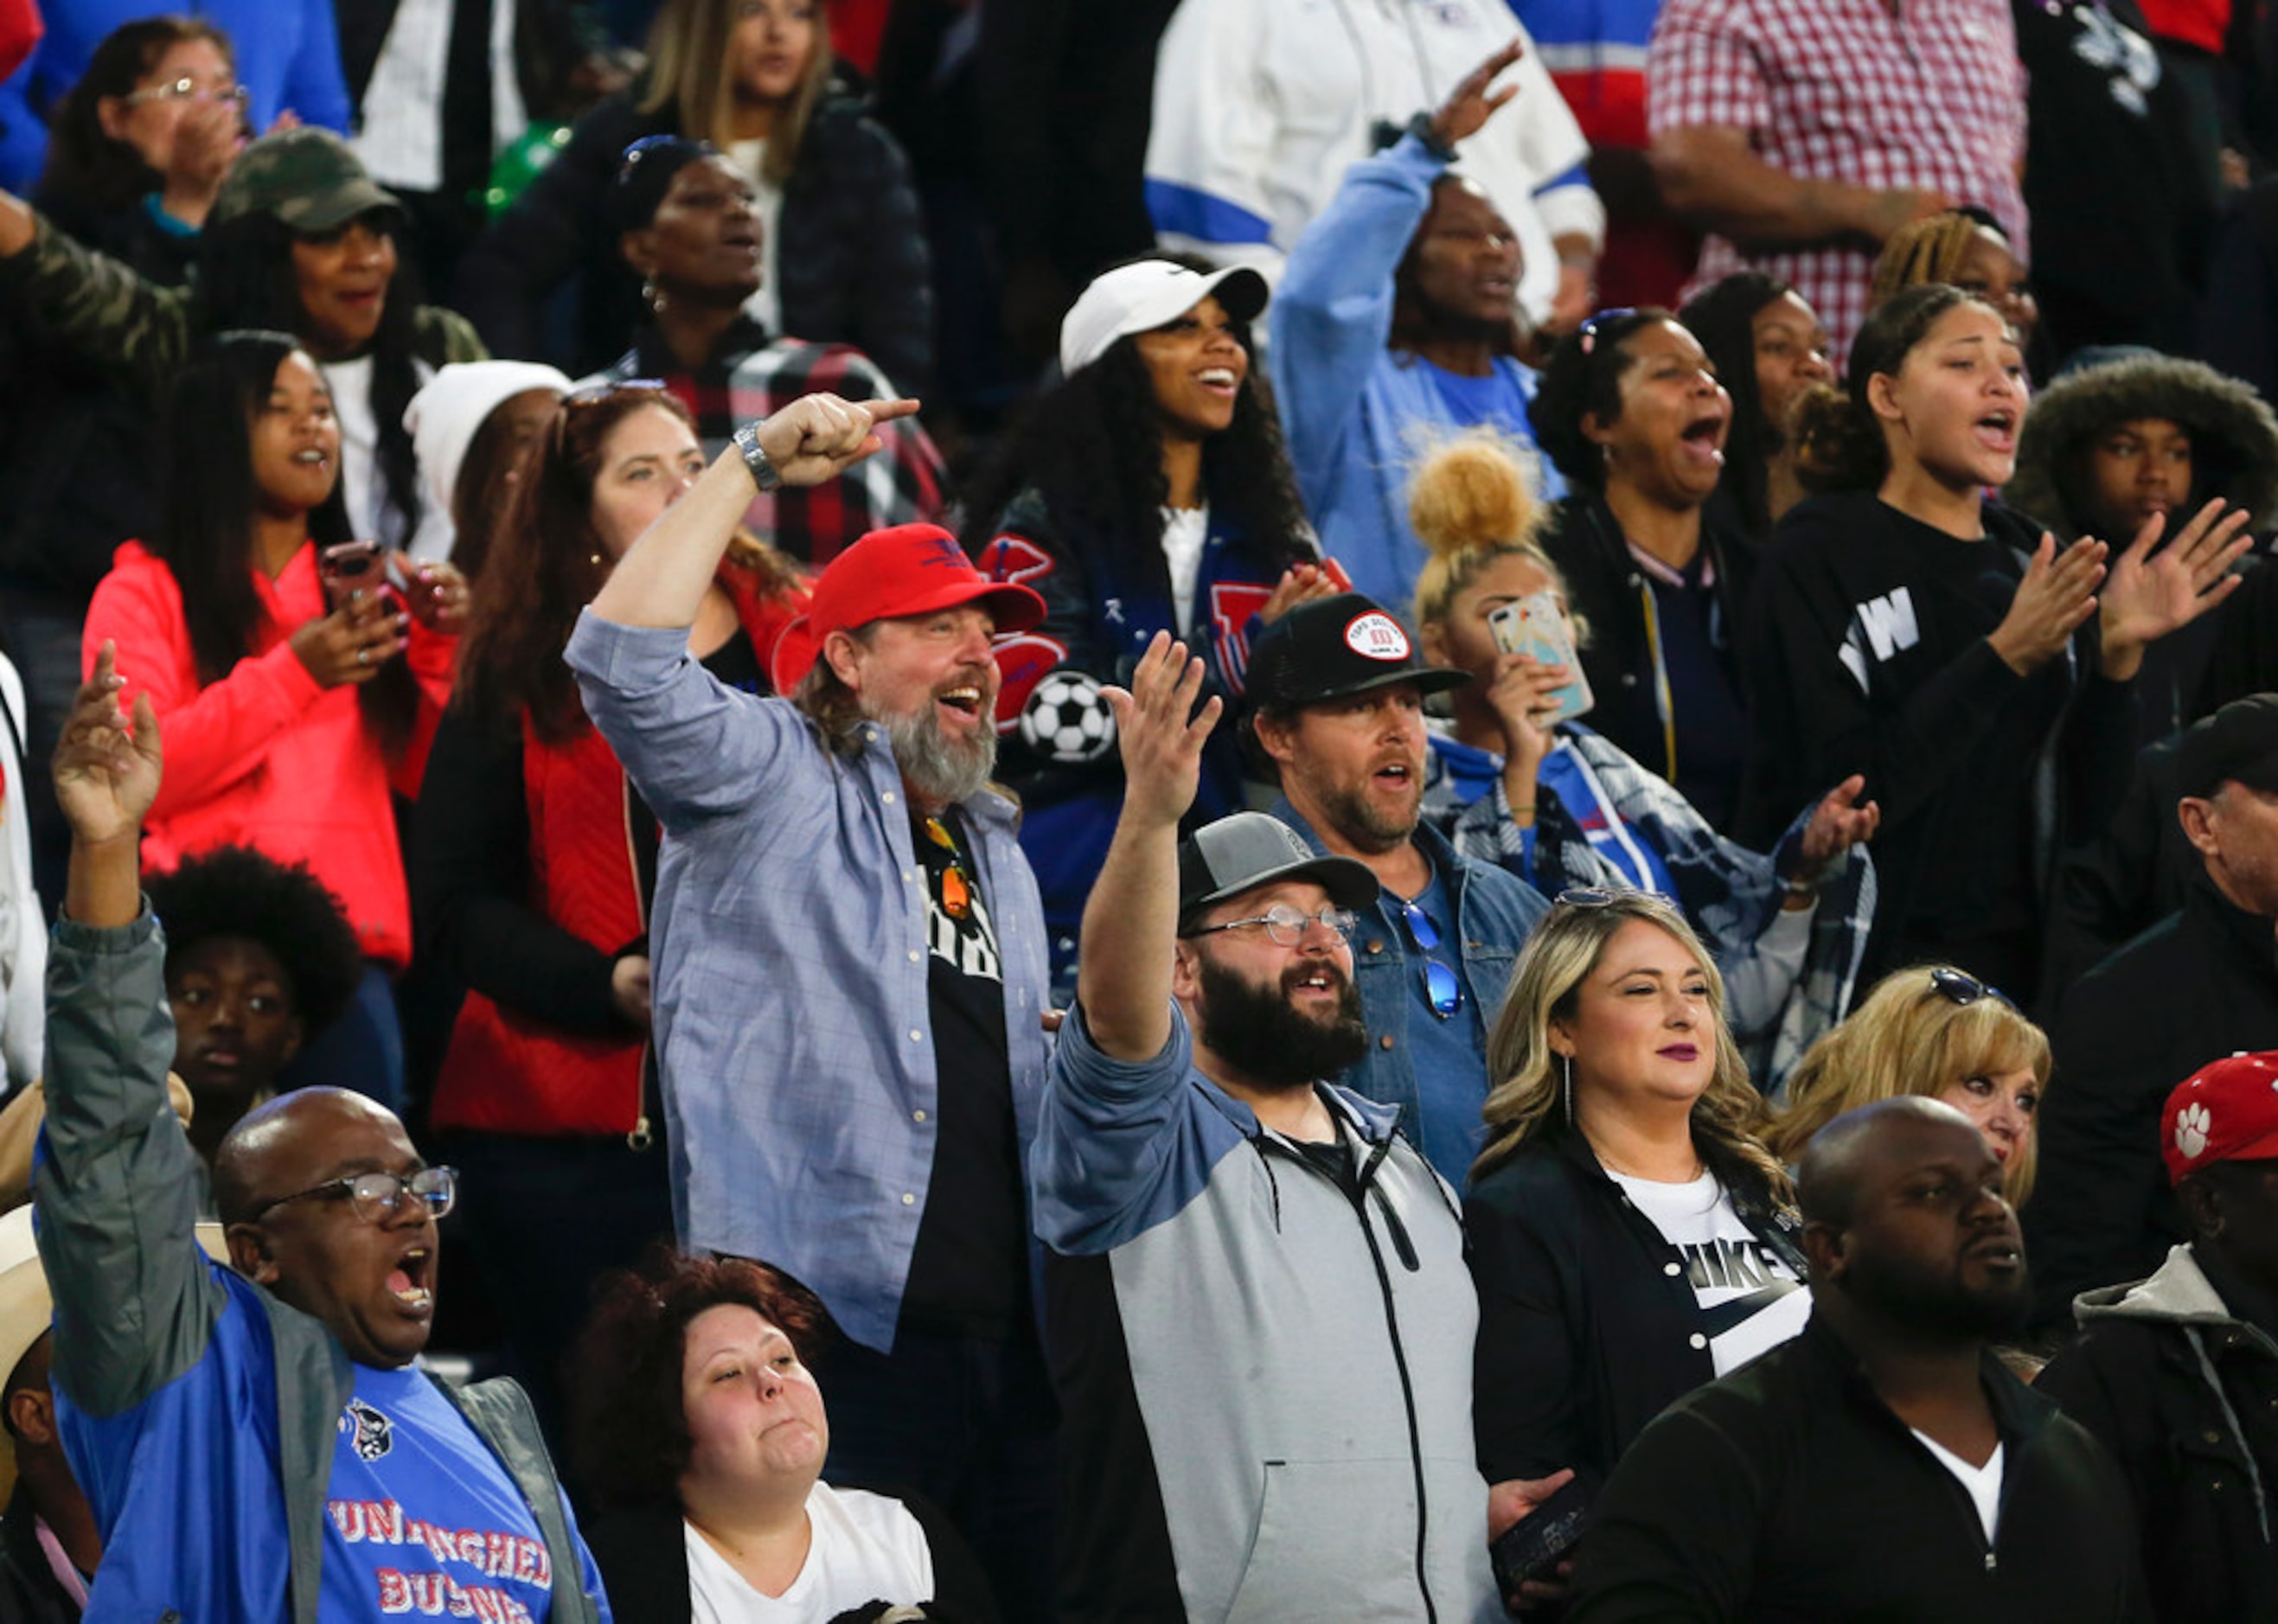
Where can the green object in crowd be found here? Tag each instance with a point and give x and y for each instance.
(518, 163)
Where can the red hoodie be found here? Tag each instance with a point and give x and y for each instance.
(265, 757)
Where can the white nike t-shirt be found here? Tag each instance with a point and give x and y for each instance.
(867, 1548)
(1751, 1300)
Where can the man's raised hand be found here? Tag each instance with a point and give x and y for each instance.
(107, 773)
(1161, 732)
(818, 437)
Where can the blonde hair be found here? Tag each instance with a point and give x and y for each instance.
(691, 70)
(1909, 1038)
(1470, 503)
(1564, 949)
(1929, 249)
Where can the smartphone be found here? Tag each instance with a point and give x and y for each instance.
(1533, 1547)
(1536, 626)
(348, 567)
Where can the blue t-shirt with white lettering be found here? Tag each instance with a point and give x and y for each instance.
(421, 1519)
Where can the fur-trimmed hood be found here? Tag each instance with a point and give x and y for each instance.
(2234, 436)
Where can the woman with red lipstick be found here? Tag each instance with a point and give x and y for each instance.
(1632, 1238)
(533, 864)
(1631, 411)
(1149, 491)
(294, 710)
(1978, 674)
(1938, 1031)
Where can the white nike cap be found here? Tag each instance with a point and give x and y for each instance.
(1142, 296)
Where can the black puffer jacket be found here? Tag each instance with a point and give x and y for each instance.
(2182, 1393)
(854, 259)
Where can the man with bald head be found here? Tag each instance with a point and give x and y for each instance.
(213, 1416)
(1884, 1464)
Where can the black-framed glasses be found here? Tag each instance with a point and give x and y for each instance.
(1285, 924)
(1961, 989)
(1587, 332)
(186, 90)
(1442, 990)
(375, 1196)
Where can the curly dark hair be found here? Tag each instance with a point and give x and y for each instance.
(206, 501)
(1723, 318)
(1583, 377)
(1839, 441)
(246, 279)
(236, 891)
(545, 561)
(628, 1431)
(94, 171)
(1092, 448)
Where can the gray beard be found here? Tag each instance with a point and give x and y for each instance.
(936, 768)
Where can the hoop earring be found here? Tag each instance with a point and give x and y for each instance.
(1566, 1064)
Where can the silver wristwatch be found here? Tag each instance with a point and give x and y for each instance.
(764, 472)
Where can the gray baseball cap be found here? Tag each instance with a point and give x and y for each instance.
(1248, 849)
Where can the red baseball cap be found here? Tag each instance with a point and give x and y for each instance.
(2225, 1111)
(887, 575)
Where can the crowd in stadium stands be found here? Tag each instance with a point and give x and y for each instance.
(1220, 810)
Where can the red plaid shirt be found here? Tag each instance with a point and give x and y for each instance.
(751, 376)
(1842, 90)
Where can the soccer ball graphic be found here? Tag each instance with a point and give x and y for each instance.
(1067, 718)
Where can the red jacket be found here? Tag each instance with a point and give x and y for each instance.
(265, 757)
(508, 1071)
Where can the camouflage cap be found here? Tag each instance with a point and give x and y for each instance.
(306, 179)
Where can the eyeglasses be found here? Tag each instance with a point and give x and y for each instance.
(1587, 332)
(1284, 926)
(1962, 989)
(375, 1196)
(187, 89)
(1441, 988)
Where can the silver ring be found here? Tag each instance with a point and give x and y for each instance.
(363, 657)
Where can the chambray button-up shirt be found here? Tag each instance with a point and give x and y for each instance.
(792, 1027)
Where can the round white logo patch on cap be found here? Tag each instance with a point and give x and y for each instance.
(2191, 1124)
(1376, 635)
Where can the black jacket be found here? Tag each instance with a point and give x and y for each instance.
(1610, 595)
(643, 1555)
(2197, 986)
(2134, 873)
(1588, 1326)
(1789, 1492)
(2184, 1394)
(853, 258)
(1865, 651)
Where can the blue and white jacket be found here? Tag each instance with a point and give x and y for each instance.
(1261, 104)
(1356, 415)
(1265, 1381)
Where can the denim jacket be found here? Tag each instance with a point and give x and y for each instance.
(1495, 911)
(792, 1026)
